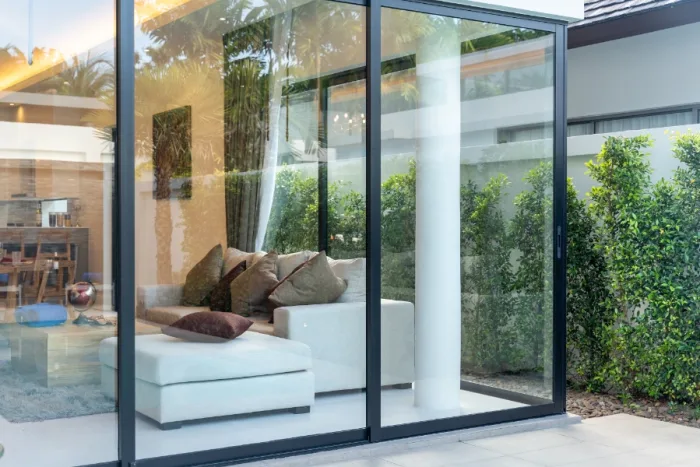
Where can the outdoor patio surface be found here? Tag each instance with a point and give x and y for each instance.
(614, 441)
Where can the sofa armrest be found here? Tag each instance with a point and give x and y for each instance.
(336, 334)
(149, 296)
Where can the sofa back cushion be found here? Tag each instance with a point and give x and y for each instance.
(202, 279)
(251, 287)
(354, 273)
(208, 326)
(234, 256)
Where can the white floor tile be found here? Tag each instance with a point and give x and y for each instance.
(568, 454)
(443, 455)
(524, 442)
(627, 459)
(93, 439)
(505, 461)
(373, 462)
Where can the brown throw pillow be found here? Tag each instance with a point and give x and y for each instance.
(208, 326)
(202, 279)
(250, 288)
(221, 294)
(313, 283)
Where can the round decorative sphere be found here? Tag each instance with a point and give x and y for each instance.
(82, 295)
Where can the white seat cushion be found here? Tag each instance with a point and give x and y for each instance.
(164, 360)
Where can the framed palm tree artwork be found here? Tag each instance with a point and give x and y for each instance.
(172, 154)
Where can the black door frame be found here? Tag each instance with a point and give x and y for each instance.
(373, 432)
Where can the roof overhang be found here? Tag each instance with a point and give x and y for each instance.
(655, 19)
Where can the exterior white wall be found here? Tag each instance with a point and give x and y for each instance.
(639, 73)
(649, 71)
(561, 9)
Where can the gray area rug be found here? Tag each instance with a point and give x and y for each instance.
(23, 400)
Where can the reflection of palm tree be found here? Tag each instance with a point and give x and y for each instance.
(10, 59)
(91, 77)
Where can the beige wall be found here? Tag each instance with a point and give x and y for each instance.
(197, 224)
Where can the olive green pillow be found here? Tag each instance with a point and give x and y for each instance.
(202, 279)
(251, 287)
(313, 283)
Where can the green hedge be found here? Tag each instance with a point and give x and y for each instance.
(633, 271)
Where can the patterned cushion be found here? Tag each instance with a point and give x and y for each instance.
(313, 283)
(202, 279)
(250, 288)
(286, 264)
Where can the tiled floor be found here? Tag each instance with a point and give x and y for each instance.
(615, 441)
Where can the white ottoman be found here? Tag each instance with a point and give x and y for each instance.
(179, 381)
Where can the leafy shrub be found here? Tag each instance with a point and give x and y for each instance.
(531, 231)
(589, 316)
(651, 245)
(488, 334)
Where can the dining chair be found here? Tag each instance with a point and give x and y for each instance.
(55, 248)
(14, 239)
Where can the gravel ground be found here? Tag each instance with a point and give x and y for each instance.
(589, 405)
(532, 384)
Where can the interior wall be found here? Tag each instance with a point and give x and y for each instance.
(199, 223)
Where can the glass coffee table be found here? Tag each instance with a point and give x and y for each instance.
(65, 355)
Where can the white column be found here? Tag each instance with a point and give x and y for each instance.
(438, 287)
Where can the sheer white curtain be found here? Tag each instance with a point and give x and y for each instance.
(280, 43)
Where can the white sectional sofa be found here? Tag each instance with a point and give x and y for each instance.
(334, 332)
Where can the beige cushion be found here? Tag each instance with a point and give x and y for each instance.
(233, 256)
(202, 279)
(167, 315)
(250, 288)
(313, 283)
(353, 271)
(287, 263)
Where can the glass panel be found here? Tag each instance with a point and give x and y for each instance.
(467, 222)
(249, 127)
(56, 201)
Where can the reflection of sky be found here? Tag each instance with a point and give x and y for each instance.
(70, 26)
(58, 24)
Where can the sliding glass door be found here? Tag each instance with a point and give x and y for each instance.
(467, 216)
(346, 225)
(249, 166)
